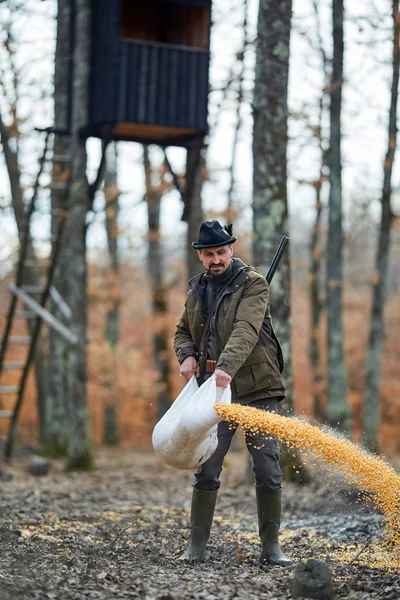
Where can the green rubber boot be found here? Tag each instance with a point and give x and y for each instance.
(269, 508)
(202, 513)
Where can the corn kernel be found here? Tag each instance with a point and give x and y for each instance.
(369, 472)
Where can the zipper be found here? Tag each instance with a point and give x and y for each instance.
(225, 292)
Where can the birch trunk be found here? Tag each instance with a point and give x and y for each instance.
(376, 335)
(337, 410)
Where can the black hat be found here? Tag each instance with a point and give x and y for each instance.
(212, 234)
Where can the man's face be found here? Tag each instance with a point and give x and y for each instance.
(216, 260)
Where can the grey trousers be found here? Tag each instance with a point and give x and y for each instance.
(264, 450)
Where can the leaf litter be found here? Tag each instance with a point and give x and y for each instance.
(116, 533)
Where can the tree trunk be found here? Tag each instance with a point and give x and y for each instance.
(316, 302)
(241, 58)
(159, 291)
(193, 213)
(79, 449)
(316, 306)
(376, 335)
(111, 195)
(337, 411)
(270, 210)
(56, 433)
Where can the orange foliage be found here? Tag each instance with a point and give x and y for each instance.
(126, 377)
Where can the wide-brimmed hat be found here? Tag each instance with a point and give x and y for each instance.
(212, 234)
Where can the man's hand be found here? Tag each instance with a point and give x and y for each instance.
(189, 367)
(222, 378)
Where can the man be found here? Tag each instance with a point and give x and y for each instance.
(226, 329)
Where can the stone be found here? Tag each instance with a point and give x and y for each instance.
(38, 466)
(312, 580)
(5, 476)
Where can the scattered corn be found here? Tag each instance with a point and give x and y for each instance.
(369, 472)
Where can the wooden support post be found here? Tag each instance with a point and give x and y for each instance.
(44, 314)
(35, 337)
(61, 304)
(23, 254)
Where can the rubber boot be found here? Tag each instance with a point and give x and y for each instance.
(269, 508)
(202, 513)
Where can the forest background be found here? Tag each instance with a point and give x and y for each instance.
(124, 365)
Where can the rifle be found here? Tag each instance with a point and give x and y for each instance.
(278, 255)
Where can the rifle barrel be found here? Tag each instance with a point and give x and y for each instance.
(278, 255)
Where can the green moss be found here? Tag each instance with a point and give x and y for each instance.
(54, 448)
(81, 462)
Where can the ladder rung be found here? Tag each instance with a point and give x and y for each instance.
(18, 339)
(25, 314)
(59, 211)
(10, 366)
(59, 185)
(6, 414)
(53, 238)
(9, 389)
(32, 262)
(61, 158)
(33, 289)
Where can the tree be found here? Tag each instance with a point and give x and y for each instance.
(376, 334)
(10, 136)
(337, 410)
(316, 303)
(78, 444)
(111, 196)
(270, 209)
(56, 428)
(155, 188)
(112, 329)
(241, 55)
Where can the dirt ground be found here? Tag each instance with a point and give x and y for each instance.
(116, 534)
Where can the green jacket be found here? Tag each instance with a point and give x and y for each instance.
(247, 348)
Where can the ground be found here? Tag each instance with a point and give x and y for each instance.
(116, 534)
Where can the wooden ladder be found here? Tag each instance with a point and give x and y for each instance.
(36, 308)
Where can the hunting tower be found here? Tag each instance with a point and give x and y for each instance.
(149, 70)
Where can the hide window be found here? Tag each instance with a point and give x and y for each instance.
(165, 22)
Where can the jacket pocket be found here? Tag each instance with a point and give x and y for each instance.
(261, 375)
(253, 377)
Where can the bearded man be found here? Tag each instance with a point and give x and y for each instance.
(226, 329)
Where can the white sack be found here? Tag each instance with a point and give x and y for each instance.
(186, 436)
